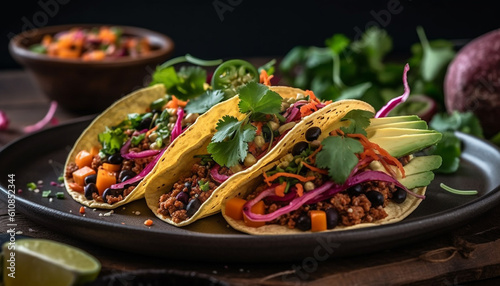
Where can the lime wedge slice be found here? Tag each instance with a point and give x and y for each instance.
(45, 262)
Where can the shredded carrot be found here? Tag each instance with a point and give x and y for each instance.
(312, 157)
(264, 78)
(312, 168)
(280, 190)
(375, 147)
(300, 189)
(308, 109)
(283, 174)
(311, 95)
(148, 222)
(175, 102)
(151, 130)
(258, 124)
(252, 148)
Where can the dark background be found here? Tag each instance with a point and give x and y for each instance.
(255, 28)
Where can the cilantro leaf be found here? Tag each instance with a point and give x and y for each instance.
(226, 127)
(338, 155)
(360, 119)
(111, 140)
(449, 150)
(230, 152)
(167, 76)
(258, 98)
(465, 122)
(191, 82)
(187, 83)
(205, 101)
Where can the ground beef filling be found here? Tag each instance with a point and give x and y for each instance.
(351, 209)
(181, 207)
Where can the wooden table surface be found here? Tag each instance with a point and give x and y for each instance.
(468, 255)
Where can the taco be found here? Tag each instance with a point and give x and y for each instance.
(122, 145)
(351, 172)
(261, 126)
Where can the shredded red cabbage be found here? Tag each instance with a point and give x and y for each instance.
(48, 118)
(142, 154)
(292, 115)
(293, 205)
(292, 193)
(4, 120)
(125, 147)
(214, 173)
(142, 174)
(384, 111)
(178, 125)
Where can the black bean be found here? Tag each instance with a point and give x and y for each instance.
(126, 178)
(299, 147)
(355, 190)
(182, 197)
(303, 222)
(313, 133)
(126, 173)
(89, 189)
(111, 192)
(399, 196)
(188, 186)
(145, 123)
(193, 207)
(332, 218)
(376, 198)
(90, 179)
(115, 159)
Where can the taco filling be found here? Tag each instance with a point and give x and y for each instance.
(127, 152)
(343, 178)
(237, 144)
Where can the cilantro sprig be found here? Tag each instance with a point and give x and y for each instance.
(338, 153)
(230, 143)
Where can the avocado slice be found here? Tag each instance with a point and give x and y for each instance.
(422, 164)
(388, 132)
(420, 124)
(402, 145)
(393, 119)
(417, 180)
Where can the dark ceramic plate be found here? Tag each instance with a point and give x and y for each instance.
(41, 156)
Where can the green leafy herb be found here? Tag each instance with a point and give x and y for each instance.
(31, 186)
(449, 150)
(231, 151)
(359, 120)
(230, 143)
(458, 192)
(268, 67)
(338, 155)
(258, 98)
(46, 194)
(60, 179)
(111, 140)
(434, 59)
(203, 185)
(205, 101)
(136, 140)
(60, 195)
(465, 122)
(159, 103)
(185, 84)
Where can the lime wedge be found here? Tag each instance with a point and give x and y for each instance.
(44, 262)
